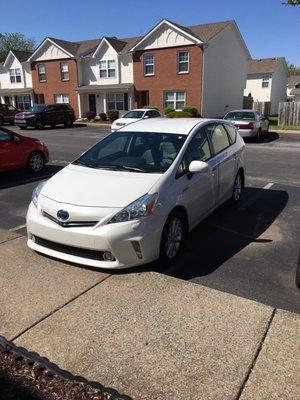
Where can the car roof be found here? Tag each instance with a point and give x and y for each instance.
(245, 110)
(142, 109)
(166, 125)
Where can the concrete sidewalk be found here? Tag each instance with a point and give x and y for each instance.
(146, 334)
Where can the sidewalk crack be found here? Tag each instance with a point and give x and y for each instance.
(57, 309)
(256, 355)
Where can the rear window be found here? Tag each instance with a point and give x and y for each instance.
(240, 115)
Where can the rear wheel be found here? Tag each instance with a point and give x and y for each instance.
(258, 135)
(36, 162)
(172, 239)
(1, 120)
(39, 124)
(68, 123)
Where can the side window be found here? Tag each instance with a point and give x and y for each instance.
(198, 149)
(51, 109)
(155, 114)
(232, 132)
(5, 137)
(11, 108)
(148, 114)
(218, 136)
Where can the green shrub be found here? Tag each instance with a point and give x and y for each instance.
(191, 110)
(152, 107)
(167, 110)
(103, 116)
(179, 114)
(113, 115)
(90, 115)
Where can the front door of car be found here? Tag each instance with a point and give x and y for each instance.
(9, 152)
(50, 115)
(224, 159)
(197, 191)
(11, 112)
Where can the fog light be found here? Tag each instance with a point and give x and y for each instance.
(137, 249)
(32, 237)
(107, 256)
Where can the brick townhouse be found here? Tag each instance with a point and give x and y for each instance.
(203, 66)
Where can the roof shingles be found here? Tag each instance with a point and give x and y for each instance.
(264, 65)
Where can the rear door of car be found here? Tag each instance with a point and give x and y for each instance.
(50, 115)
(11, 111)
(224, 159)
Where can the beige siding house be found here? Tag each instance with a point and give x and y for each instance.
(267, 80)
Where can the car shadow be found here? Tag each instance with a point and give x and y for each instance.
(20, 177)
(226, 232)
(58, 126)
(264, 138)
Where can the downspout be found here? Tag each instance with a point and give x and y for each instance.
(203, 46)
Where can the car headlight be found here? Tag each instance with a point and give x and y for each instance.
(141, 207)
(36, 192)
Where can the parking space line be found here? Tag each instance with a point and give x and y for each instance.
(16, 228)
(268, 186)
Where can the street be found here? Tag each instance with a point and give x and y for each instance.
(250, 250)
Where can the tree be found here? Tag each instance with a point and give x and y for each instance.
(292, 3)
(293, 70)
(14, 41)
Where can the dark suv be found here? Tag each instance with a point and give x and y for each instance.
(7, 113)
(41, 115)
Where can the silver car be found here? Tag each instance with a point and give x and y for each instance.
(250, 123)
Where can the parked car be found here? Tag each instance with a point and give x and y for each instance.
(250, 123)
(135, 195)
(7, 113)
(18, 151)
(41, 115)
(133, 116)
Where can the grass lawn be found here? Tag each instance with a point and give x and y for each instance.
(274, 125)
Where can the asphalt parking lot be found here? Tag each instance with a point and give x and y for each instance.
(250, 250)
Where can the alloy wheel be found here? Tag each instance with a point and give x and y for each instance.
(36, 163)
(237, 188)
(174, 238)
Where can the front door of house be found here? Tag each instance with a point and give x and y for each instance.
(92, 103)
(143, 98)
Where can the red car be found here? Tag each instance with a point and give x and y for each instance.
(18, 151)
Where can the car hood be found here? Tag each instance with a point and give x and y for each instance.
(84, 186)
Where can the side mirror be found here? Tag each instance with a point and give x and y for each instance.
(146, 116)
(16, 140)
(198, 166)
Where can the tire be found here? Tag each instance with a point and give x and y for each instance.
(174, 231)
(1, 120)
(39, 124)
(35, 162)
(238, 187)
(68, 123)
(297, 279)
(53, 126)
(23, 127)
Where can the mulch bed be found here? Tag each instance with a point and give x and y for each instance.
(27, 376)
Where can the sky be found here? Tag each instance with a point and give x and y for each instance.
(269, 28)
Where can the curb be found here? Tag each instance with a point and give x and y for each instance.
(41, 363)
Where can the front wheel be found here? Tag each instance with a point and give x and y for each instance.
(172, 239)
(39, 124)
(238, 187)
(35, 162)
(68, 123)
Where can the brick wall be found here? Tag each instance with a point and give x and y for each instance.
(166, 76)
(54, 84)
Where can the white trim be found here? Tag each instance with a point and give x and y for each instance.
(165, 21)
(41, 46)
(8, 56)
(100, 44)
(181, 62)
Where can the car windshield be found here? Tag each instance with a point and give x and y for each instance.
(134, 114)
(240, 115)
(37, 108)
(149, 152)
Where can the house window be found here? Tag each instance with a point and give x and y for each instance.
(107, 68)
(23, 102)
(64, 71)
(115, 101)
(61, 98)
(42, 72)
(175, 100)
(148, 64)
(265, 81)
(183, 62)
(15, 75)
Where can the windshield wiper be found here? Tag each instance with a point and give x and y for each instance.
(109, 166)
(88, 165)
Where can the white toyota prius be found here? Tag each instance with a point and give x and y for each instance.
(134, 196)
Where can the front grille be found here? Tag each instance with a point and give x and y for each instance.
(69, 224)
(73, 251)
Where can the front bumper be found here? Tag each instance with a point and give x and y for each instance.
(25, 122)
(116, 238)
